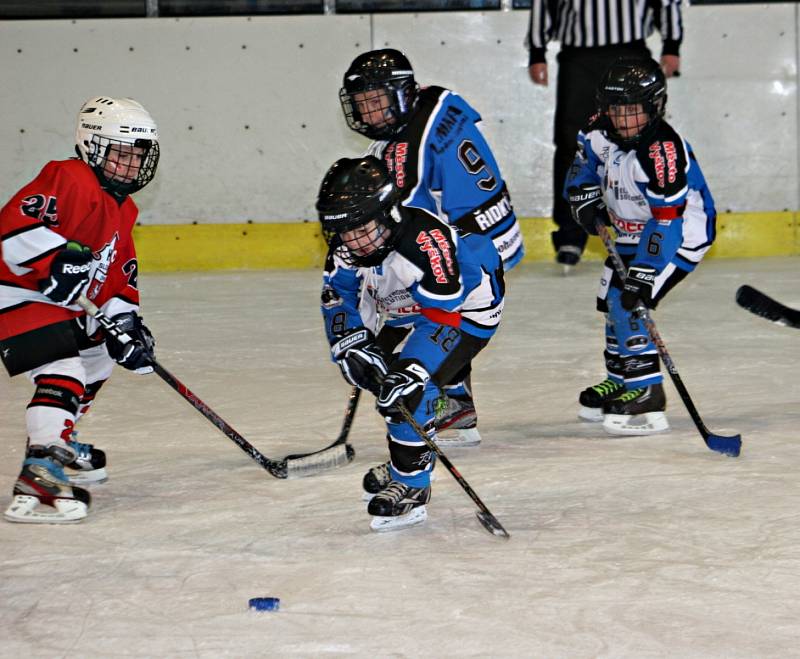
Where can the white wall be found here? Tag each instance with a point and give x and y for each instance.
(249, 115)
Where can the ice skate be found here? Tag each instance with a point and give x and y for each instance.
(568, 257)
(44, 495)
(398, 506)
(89, 466)
(375, 480)
(456, 422)
(592, 399)
(637, 412)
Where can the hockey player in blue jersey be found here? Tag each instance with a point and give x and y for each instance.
(635, 172)
(431, 142)
(402, 265)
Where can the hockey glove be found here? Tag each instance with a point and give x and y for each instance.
(638, 286)
(404, 385)
(586, 204)
(137, 354)
(69, 273)
(362, 362)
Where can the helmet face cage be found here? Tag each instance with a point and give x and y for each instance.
(365, 242)
(118, 139)
(378, 93)
(631, 82)
(124, 167)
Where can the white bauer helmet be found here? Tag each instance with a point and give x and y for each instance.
(106, 124)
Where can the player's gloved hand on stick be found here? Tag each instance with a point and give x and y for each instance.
(638, 286)
(69, 273)
(404, 385)
(362, 362)
(137, 354)
(586, 204)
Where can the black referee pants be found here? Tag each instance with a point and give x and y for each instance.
(579, 74)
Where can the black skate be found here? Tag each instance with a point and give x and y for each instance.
(44, 495)
(637, 412)
(456, 421)
(593, 398)
(375, 480)
(89, 465)
(397, 506)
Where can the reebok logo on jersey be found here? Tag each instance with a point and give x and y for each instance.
(438, 254)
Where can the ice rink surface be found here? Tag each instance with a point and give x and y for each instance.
(633, 547)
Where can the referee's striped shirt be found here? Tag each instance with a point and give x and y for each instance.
(593, 23)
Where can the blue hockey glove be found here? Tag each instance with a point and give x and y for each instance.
(137, 354)
(638, 286)
(361, 361)
(404, 385)
(69, 273)
(586, 205)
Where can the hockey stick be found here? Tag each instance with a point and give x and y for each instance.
(763, 305)
(489, 521)
(334, 455)
(731, 446)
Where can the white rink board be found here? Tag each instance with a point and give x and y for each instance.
(250, 119)
(634, 547)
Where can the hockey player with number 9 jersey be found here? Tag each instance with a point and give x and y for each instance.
(635, 172)
(388, 260)
(431, 142)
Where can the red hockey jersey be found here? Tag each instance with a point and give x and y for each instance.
(64, 202)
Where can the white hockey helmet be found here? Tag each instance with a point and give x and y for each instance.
(106, 124)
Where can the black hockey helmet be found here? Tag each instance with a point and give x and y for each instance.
(632, 80)
(356, 206)
(367, 111)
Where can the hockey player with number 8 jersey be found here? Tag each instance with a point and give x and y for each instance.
(635, 172)
(385, 259)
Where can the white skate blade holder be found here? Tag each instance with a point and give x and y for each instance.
(462, 437)
(591, 414)
(649, 423)
(383, 524)
(29, 510)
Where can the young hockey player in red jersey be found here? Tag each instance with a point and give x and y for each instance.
(68, 233)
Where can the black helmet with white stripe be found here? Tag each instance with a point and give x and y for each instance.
(378, 93)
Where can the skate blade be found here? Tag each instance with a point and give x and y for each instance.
(93, 477)
(462, 437)
(649, 423)
(29, 510)
(412, 518)
(592, 414)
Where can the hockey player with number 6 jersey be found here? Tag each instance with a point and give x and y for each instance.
(636, 173)
(388, 260)
(431, 142)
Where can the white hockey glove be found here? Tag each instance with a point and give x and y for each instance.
(404, 385)
(361, 361)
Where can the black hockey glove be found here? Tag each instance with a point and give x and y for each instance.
(404, 385)
(638, 286)
(586, 204)
(137, 354)
(69, 273)
(362, 362)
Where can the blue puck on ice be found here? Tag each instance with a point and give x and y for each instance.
(265, 604)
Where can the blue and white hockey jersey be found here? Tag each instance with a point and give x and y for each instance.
(656, 195)
(442, 164)
(431, 281)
